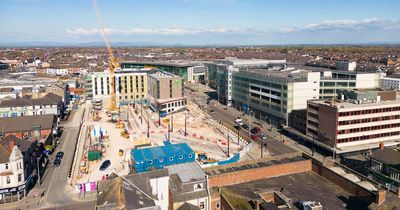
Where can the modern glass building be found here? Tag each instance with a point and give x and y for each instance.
(189, 72)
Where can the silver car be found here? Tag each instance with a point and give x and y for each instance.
(262, 135)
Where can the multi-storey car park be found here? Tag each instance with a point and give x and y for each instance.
(277, 94)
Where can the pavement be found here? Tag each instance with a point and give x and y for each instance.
(57, 194)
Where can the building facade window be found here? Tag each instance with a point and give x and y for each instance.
(202, 206)
(8, 180)
(19, 177)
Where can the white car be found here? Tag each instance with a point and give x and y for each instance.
(238, 121)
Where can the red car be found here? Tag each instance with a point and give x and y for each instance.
(254, 137)
(255, 130)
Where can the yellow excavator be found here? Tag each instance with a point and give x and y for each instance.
(113, 62)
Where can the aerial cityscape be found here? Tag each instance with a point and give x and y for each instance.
(199, 105)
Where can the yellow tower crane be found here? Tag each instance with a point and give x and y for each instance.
(113, 62)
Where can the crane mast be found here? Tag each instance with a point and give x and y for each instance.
(113, 62)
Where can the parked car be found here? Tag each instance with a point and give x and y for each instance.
(245, 126)
(238, 121)
(105, 165)
(262, 135)
(254, 137)
(255, 130)
(59, 155)
(57, 162)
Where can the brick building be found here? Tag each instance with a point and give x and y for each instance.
(166, 92)
(360, 120)
(40, 127)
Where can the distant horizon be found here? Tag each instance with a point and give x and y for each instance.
(44, 44)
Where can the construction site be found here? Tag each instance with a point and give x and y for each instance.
(112, 135)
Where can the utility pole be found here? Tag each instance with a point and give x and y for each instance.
(261, 149)
(38, 170)
(169, 139)
(148, 125)
(141, 112)
(185, 126)
(238, 128)
(172, 123)
(159, 117)
(228, 144)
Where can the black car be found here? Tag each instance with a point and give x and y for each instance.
(105, 165)
(255, 130)
(245, 126)
(59, 155)
(57, 162)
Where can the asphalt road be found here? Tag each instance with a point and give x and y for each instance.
(59, 195)
(228, 115)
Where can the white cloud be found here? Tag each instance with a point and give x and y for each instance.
(155, 31)
(372, 24)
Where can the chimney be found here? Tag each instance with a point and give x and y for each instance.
(381, 145)
(380, 197)
(11, 146)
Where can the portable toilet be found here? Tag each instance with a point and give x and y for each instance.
(189, 153)
(159, 157)
(138, 160)
(148, 159)
(169, 155)
(179, 153)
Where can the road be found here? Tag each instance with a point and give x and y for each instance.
(57, 192)
(227, 114)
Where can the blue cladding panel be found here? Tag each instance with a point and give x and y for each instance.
(159, 157)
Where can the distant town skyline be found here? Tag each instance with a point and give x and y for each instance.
(202, 22)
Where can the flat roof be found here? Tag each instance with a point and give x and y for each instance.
(172, 64)
(285, 74)
(303, 187)
(163, 74)
(245, 165)
(187, 172)
(151, 153)
(343, 104)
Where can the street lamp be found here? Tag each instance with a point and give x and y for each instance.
(313, 144)
(38, 169)
(148, 125)
(238, 128)
(228, 144)
(185, 126)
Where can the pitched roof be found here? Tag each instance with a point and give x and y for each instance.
(6, 90)
(387, 155)
(26, 123)
(113, 192)
(21, 143)
(4, 154)
(48, 99)
(27, 89)
(188, 206)
(188, 172)
(16, 153)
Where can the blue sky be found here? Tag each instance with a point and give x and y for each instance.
(203, 21)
